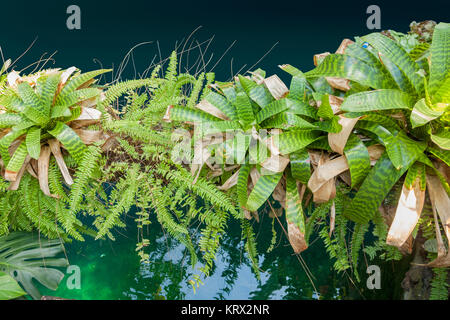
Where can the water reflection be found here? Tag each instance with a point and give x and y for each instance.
(111, 269)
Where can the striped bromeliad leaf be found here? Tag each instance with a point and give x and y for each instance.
(294, 216)
(256, 92)
(287, 120)
(242, 183)
(272, 109)
(222, 104)
(181, 113)
(441, 154)
(358, 159)
(325, 111)
(29, 97)
(17, 160)
(443, 93)
(8, 120)
(235, 149)
(33, 142)
(442, 139)
(46, 89)
(262, 190)
(301, 108)
(381, 133)
(300, 165)
(77, 96)
(383, 99)
(422, 114)
(76, 81)
(6, 141)
(440, 57)
(244, 108)
(389, 49)
(70, 140)
(402, 150)
(373, 190)
(294, 140)
(342, 66)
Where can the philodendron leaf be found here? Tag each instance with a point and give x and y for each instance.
(422, 114)
(26, 257)
(33, 142)
(384, 99)
(442, 139)
(9, 288)
(373, 190)
(262, 190)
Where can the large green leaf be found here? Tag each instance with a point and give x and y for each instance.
(70, 140)
(262, 190)
(440, 57)
(5, 143)
(384, 99)
(29, 96)
(444, 155)
(48, 90)
(7, 120)
(287, 120)
(9, 288)
(373, 190)
(26, 257)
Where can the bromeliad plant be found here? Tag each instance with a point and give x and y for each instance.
(41, 112)
(401, 100)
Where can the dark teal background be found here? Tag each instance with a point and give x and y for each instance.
(110, 28)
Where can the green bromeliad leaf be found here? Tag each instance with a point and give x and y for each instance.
(384, 99)
(18, 158)
(70, 140)
(33, 142)
(300, 165)
(287, 120)
(342, 66)
(6, 141)
(76, 81)
(440, 57)
(443, 93)
(422, 114)
(262, 190)
(358, 159)
(373, 190)
(244, 108)
(288, 142)
(181, 113)
(442, 139)
(325, 111)
(244, 172)
(222, 104)
(294, 210)
(29, 96)
(272, 109)
(389, 49)
(402, 150)
(444, 155)
(7, 120)
(47, 91)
